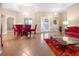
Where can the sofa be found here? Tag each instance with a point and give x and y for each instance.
(72, 31)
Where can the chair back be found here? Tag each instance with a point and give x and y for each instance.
(18, 27)
(27, 27)
(35, 26)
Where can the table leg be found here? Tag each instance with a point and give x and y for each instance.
(63, 47)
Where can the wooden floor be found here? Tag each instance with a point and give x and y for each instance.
(24, 46)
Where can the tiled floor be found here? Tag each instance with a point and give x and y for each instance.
(24, 46)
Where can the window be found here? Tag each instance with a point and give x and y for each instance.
(28, 21)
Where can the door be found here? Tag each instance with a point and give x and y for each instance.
(45, 24)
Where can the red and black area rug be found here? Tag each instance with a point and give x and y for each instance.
(70, 50)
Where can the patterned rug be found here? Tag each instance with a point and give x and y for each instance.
(71, 50)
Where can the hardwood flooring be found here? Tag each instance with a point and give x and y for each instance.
(24, 46)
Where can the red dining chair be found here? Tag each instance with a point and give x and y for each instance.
(34, 29)
(18, 29)
(27, 30)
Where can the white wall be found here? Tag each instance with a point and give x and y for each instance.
(36, 17)
(73, 15)
(6, 13)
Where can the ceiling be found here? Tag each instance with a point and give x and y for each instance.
(48, 7)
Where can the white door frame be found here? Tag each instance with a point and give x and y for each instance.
(43, 19)
(14, 20)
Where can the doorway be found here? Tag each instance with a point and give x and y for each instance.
(45, 24)
(10, 22)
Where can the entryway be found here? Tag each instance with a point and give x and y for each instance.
(45, 24)
(10, 22)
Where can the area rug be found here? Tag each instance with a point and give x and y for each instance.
(71, 50)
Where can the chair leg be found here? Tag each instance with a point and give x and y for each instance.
(26, 33)
(21, 33)
(30, 34)
(14, 33)
(17, 34)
